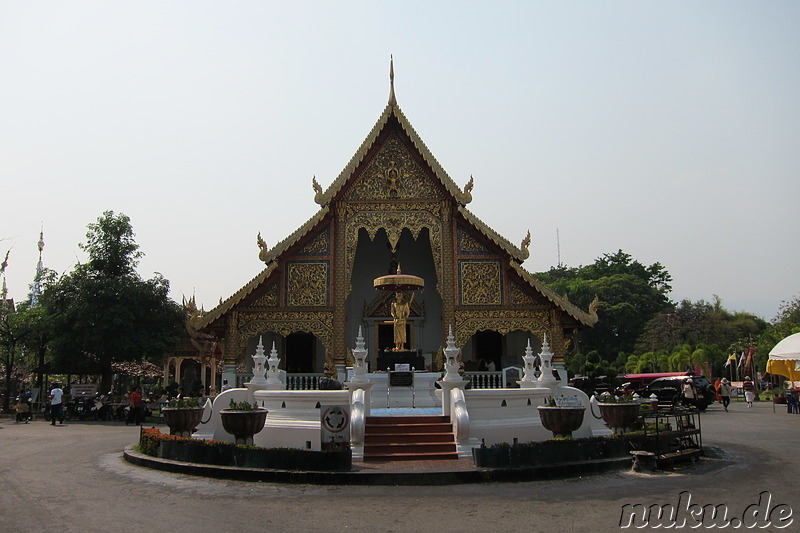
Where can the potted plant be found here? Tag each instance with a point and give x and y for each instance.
(620, 413)
(561, 418)
(243, 420)
(183, 416)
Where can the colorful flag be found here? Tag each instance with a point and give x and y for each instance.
(732, 357)
(741, 360)
(748, 363)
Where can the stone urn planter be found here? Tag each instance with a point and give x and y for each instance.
(183, 421)
(562, 421)
(619, 416)
(243, 425)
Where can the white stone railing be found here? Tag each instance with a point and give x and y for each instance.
(303, 381)
(485, 379)
(358, 418)
(459, 416)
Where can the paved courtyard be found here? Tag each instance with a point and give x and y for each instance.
(72, 478)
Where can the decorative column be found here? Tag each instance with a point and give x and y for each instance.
(230, 354)
(452, 379)
(274, 381)
(258, 382)
(165, 379)
(359, 360)
(360, 379)
(546, 377)
(451, 359)
(529, 380)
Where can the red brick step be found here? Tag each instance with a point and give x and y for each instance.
(409, 438)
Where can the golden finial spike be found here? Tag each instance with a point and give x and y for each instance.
(392, 99)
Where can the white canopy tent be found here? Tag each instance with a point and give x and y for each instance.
(784, 358)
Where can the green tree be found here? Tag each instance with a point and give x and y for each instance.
(630, 295)
(104, 312)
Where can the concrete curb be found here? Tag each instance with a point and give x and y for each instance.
(433, 476)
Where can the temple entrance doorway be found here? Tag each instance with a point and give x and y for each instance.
(488, 350)
(371, 309)
(300, 353)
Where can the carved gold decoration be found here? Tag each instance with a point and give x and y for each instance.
(394, 222)
(520, 297)
(480, 282)
(284, 323)
(394, 173)
(262, 246)
(329, 368)
(501, 320)
(307, 284)
(467, 244)
(269, 298)
(319, 245)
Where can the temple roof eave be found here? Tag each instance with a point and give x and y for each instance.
(517, 254)
(219, 311)
(587, 319)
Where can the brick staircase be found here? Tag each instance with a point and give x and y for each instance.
(409, 438)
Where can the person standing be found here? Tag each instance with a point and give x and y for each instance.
(689, 394)
(135, 413)
(725, 393)
(749, 391)
(56, 404)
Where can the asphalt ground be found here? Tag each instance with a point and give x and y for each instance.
(72, 478)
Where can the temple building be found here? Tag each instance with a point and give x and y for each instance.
(393, 206)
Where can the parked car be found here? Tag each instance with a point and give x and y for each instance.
(637, 383)
(669, 390)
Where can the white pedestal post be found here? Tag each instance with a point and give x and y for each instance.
(258, 381)
(529, 380)
(274, 381)
(360, 379)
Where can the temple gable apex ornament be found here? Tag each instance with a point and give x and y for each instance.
(263, 249)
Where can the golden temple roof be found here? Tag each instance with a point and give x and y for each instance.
(461, 197)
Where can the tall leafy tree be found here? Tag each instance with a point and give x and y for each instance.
(103, 312)
(629, 292)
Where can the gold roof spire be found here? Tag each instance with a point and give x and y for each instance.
(392, 99)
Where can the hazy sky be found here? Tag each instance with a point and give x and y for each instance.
(666, 129)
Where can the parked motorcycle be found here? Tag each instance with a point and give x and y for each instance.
(99, 408)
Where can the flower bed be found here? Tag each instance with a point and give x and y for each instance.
(156, 444)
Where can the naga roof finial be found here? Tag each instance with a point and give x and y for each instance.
(467, 195)
(262, 253)
(317, 189)
(392, 99)
(525, 243)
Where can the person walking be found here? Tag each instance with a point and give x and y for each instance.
(725, 393)
(56, 404)
(749, 391)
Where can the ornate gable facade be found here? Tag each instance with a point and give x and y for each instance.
(393, 204)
